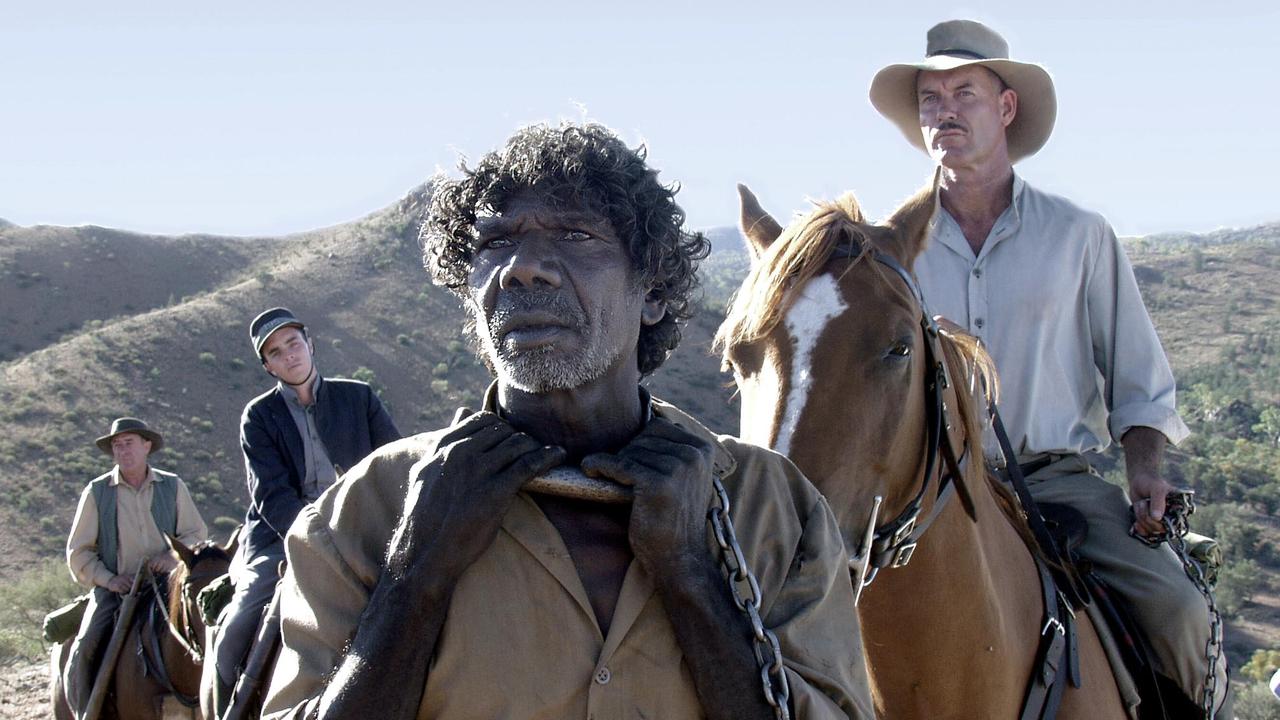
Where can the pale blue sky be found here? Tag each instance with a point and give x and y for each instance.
(264, 118)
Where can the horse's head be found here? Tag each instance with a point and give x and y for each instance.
(829, 351)
(197, 567)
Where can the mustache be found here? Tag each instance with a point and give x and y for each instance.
(950, 125)
(550, 302)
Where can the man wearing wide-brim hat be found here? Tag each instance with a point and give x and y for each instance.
(1048, 289)
(121, 524)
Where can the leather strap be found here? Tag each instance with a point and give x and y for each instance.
(1057, 660)
(1071, 585)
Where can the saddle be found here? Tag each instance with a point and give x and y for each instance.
(1155, 696)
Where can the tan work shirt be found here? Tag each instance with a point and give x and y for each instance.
(139, 538)
(521, 640)
(1054, 300)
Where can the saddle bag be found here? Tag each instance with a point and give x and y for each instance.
(213, 598)
(63, 624)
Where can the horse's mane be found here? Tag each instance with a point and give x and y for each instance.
(793, 259)
(973, 372)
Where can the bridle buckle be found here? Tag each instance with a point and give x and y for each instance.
(902, 555)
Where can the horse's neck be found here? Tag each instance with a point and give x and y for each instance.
(958, 617)
(183, 670)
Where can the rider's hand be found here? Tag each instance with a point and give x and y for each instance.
(458, 497)
(120, 584)
(1148, 492)
(669, 469)
(161, 563)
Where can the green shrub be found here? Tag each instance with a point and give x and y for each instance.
(1237, 582)
(23, 605)
(440, 387)
(404, 340)
(210, 483)
(1261, 665)
(440, 370)
(1255, 701)
(364, 374)
(237, 364)
(208, 359)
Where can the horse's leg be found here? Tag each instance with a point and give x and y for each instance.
(1098, 697)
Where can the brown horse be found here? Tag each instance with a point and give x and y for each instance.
(828, 344)
(135, 692)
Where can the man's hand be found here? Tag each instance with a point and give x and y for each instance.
(1143, 447)
(669, 469)
(458, 497)
(120, 584)
(1148, 491)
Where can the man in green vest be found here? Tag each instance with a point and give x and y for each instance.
(120, 524)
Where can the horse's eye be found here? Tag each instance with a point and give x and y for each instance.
(900, 350)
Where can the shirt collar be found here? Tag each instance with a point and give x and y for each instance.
(955, 239)
(118, 479)
(291, 394)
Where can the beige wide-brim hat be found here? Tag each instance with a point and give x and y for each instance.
(956, 43)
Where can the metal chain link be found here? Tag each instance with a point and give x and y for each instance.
(765, 644)
(1179, 507)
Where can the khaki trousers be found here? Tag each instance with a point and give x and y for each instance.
(1166, 605)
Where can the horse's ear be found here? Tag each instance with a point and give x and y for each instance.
(183, 552)
(910, 222)
(758, 226)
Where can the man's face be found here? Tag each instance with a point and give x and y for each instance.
(130, 451)
(963, 115)
(287, 355)
(553, 296)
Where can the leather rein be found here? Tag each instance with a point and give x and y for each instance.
(892, 544)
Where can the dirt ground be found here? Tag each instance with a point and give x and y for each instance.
(24, 691)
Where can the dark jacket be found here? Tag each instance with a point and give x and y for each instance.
(352, 423)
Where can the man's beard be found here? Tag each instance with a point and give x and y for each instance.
(542, 369)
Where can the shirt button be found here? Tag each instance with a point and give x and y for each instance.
(977, 272)
(978, 323)
(603, 676)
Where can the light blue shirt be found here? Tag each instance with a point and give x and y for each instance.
(1053, 298)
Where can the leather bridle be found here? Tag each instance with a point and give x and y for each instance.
(892, 544)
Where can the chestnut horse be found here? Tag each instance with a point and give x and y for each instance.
(828, 343)
(136, 693)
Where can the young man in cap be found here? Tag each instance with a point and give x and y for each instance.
(121, 524)
(297, 438)
(437, 585)
(1048, 289)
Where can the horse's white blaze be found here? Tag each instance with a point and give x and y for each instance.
(818, 303)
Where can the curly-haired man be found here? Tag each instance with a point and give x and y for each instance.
(487, 598)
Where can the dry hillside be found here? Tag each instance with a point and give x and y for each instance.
(96, 323)
(99, 323)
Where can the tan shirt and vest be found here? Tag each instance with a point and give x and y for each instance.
(139, 538)
(1054, 300)
(520, 639)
